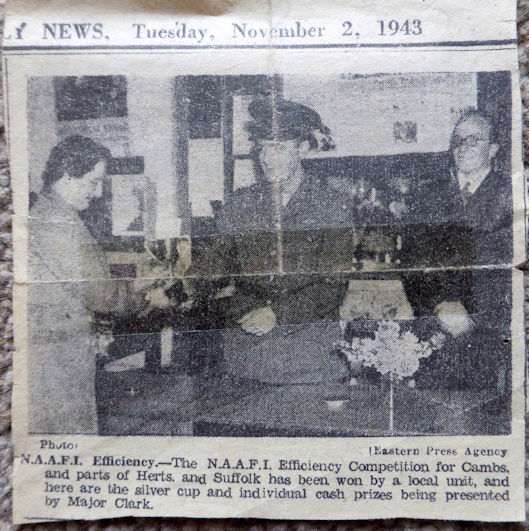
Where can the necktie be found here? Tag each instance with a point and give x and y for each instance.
(465, 193)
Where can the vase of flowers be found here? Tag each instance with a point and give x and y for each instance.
(394, 351)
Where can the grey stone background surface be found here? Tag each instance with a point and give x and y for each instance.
(6, 348)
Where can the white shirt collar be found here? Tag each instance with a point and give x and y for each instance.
(473, 180)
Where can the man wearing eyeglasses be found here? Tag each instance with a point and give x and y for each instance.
(466, 210)
(483, 198)
(473, 151)
(463, 221)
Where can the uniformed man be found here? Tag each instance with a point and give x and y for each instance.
(283, 238)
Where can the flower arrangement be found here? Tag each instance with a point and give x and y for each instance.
(393, 352)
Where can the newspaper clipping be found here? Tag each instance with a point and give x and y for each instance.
(266, 259)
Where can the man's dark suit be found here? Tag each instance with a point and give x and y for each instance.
(448, 229)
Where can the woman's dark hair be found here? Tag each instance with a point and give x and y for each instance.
(77, 155)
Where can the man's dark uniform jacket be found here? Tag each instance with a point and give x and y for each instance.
(284, 257)
(447, 229)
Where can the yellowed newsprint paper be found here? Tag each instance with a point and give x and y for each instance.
(266, 259)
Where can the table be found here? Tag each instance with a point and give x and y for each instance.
(165, 403)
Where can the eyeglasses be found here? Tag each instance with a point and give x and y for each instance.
(470, 140)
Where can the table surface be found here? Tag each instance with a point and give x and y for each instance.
(140, 402)
(303, 411)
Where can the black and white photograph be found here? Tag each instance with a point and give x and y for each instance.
(319, 255)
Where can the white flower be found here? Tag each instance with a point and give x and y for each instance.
(392, 351)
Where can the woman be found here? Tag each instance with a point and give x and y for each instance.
(66, 269)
